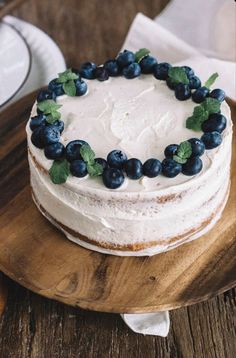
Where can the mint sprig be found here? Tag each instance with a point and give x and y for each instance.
(211, 80)
(94, 169)
(178, 75)
(183, 153)
(202, 112)
(140, 54)
(67, 78)
(50, 110)
(59, 171)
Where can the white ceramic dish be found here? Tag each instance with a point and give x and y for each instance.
(47, 59)
(15, 62)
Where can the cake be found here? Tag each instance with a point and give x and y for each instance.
(131, 157)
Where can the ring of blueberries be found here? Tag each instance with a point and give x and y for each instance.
(183, 158)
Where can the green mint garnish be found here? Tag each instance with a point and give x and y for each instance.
(94, 169)
(53, 117)
(201, 113)
(183, 153)
(59, 171)
(140, 54)
(178, 75)
(67, 78)
(48, 106)
(69, 88)
(211, 80)
(50, 109)
(211, 105)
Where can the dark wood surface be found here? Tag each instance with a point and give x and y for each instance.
(37, 327)
(35, 254)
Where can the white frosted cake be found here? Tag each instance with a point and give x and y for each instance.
(146, 212)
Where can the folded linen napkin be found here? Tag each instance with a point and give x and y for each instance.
(200, 34)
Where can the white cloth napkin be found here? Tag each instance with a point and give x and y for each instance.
(156, 324)
(170, 46)
(200, 34)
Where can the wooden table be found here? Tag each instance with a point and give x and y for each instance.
(36, 327)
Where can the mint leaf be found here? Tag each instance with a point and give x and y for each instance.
(211, 105)
(178, 75)
(66, 76)
(179, 160)
(94, 169)
(87, 154)
(140, 54)
(183, 153)
(53, 117)
(200, 115)
(48, 106)
(59, 171)
(69, 88)
(211, 80)
(184, 150)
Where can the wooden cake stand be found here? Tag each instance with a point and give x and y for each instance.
(39, 257)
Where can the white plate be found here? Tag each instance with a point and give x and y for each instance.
(15, 62)
(47, 59)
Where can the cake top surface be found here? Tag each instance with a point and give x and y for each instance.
(139, 117)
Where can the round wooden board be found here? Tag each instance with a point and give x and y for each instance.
(39, 257)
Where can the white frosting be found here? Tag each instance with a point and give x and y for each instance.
(140, 117)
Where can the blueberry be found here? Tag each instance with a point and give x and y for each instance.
(51, 134)
(161, 70)
(113, 178)
(102, 162)
(112, 67)
(188, 70)
(182, 92)
(54, 151)
(87, 70)
(170, 168)
(116, 159)
(216, 122)
(152, 168)
(218, 94)
(147, 64)
(101, 74)
(198, 147)
(56, 87)
(194, 82)
(171, 150)
(37, 121)
(211, 139)
(37, 137)
(81, 87)
(133, 168)
(200, 94)
(131, 71)
(171, 83)
(192, 167)
(60, 125)
(125, 58)
(45, 94)
(78, 168)
(73, 150)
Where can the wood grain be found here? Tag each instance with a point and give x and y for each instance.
(35, 254)
(7, 6)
